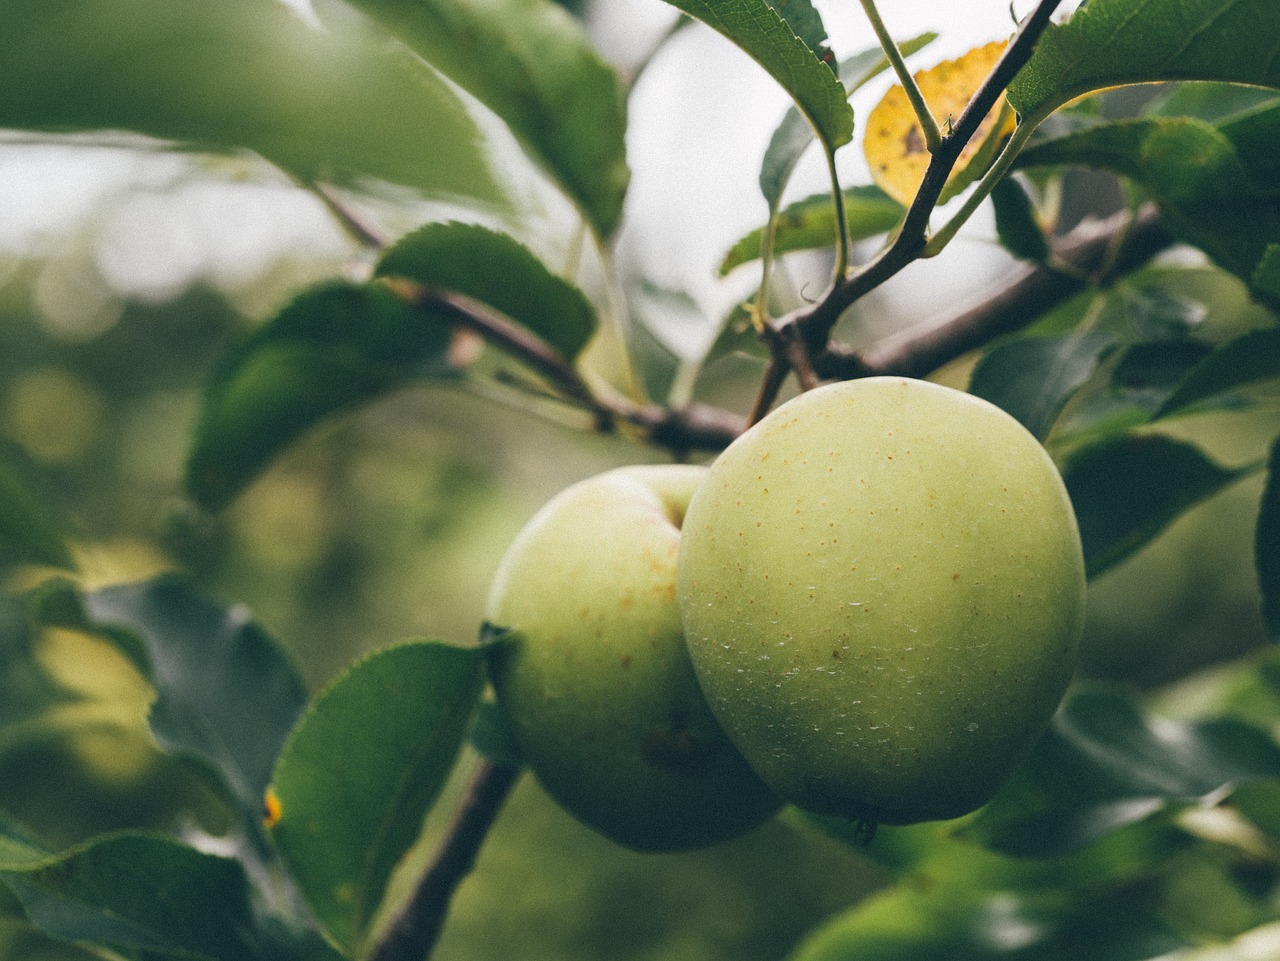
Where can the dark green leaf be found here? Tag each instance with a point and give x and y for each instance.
(1267, 546)
(361, 770)
(137, 892)
(1266, 279)
(962, 922)
(1254, 133)
(1033, 377)
(226, 694)
(1107, 43)
(794, 133)
(331, 349)
(532, 65)
(810, 223)
(804, 20)
(1016, 224)
(764, 36)
(492, 737)
(496, 270)
(1103, 764)
(1248, 359)
(30, 531)
(1128, 489)
(241, 75)
(1207, 196)
(1148, 372)
(1154, 312)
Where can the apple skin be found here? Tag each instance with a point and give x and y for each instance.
(592, 674)
(882, 590)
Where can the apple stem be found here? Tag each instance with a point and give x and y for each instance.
(413, 934)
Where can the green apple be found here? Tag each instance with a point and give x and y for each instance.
(593, 676)
(882, 590)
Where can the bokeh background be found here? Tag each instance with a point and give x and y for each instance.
(125, 272)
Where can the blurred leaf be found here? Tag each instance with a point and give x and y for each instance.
(334, 347)
(895, 143)
(1207, 196)
(141, 893)
(226, 693)
(496, 270)
(30, 530)
(761, 32)
(1266, 278)
(1107, 43)
(1016, 224)
(1156, 312)
(236, 75)
(924, 922)
(1127, 489)
(1267, 546)
(1032, 378)
(1103, 764)
(1254, 134)
(361, 770)
(530, 63)
(1248, 359)
(1149, 371)
(1259, 943)
(1214, 102)
(794, 133)
(810, 223)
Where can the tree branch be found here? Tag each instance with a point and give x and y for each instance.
(1090, 250)
(815, 322)
(413, 934)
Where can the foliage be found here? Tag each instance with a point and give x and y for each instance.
(168, 786)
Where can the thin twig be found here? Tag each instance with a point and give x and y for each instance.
(1091, 251)
(924, 116)
(360, 229)
(818, 320)
(504, 333)
(413, 934)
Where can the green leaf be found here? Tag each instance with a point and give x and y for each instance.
(1207, 196)
(1148, 372)
(141, 893)
(226, 694)
(1103, 765)
(794, 133)
(361, 770)
(241, 75)
(1016, 224)
(1267, 545)
(802, 18)
(810, 223)
(1107, 43)
(531, 64)
(30, 531)
(334, 347)
(1254, 134)
(1266, 278)
(1248, 359)
(763, 35)
(959, 922)
(496, 270)
(1033, 377)
(1127, 489)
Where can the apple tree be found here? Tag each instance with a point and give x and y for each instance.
(327, 801)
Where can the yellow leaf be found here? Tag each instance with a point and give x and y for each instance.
(895, 144)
